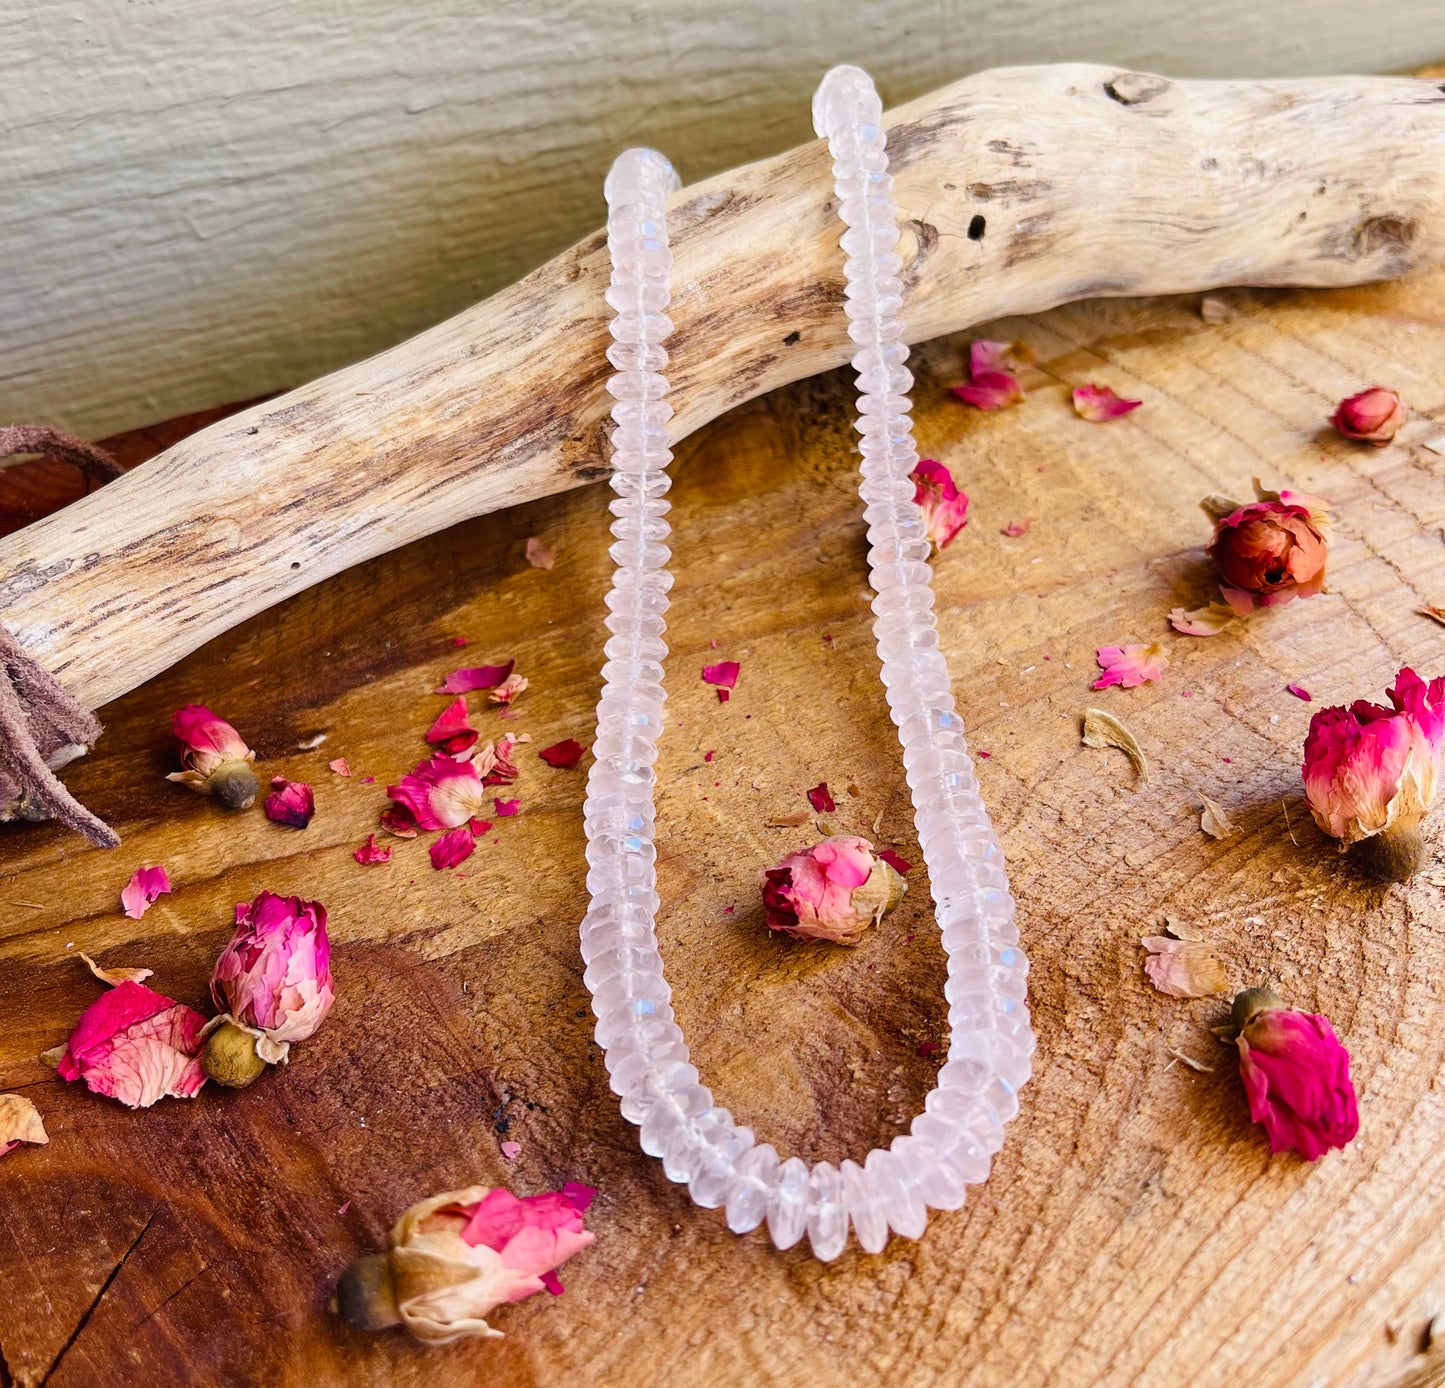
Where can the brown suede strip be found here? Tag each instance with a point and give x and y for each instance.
(40, 438)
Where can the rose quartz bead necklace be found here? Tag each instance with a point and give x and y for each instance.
(951, 1143)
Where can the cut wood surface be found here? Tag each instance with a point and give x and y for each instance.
(1020, 188)
(1135, 1229)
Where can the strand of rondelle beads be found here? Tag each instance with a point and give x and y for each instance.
(952, 1142)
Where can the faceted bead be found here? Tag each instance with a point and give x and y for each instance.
(751, 1188)
(900, 1204)
(827, 1215)
(788, 1204)
(864, 1209)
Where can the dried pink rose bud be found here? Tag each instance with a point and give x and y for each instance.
(1272, 550)
(136, 1045)
(292, 803)
(442, 793)
(215, 759)
(832, 891)
(944, 506)
(1373, 416)
(457, 1257)
(272, 982)
(1373, 770)
(1296, 1074)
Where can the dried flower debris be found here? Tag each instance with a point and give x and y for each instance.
(141, 892)
(1131, 666)
(1102, 729)
(1099, 404)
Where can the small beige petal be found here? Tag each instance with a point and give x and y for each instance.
(20, 1122)
(1430, 610)
(540, 555)
(1183, 968)
(1214, 821)
(1203, 621)
(115, 976)
(789, 821)
(1182, 930)
(1216, 505)
(1104, 730)
(52, 1056)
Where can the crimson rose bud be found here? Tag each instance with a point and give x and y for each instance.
(1373, 416)
(1296, 1074)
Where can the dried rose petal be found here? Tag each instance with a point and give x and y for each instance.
(340, 766)
(1373, 416)
(1099, 404)
(1130, 666)
(136, 1045)
(1296, 1074)
(19, 1122)
(990, 390)
(944, 506)
(507, 808)
(820, 799)
(453, 731)
(214, 758)
(724, 674)
(441, 793)
(1183, 968)
(495, 764)
(143, 888)
(986, 355)
(399, 822)
(119, 974)
(511, 1150)
(1016, 528)
(540, 555)
(292, 803)
(1300, 692)
(566, 753)
(457, 1257)
(475, 677)
(899, 864)
(373, 852)
(508, 690)
(1203, 621)
(833, 891)
(453, 848)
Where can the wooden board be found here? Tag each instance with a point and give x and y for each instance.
(1135, 1229)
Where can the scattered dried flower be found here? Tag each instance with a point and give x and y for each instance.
(19, 1122)
(568, 753)
(509, 689)
(1099, 404)
(1429, 609)
(495, 764)
(340, 766)
(292, 803)
(1130, 666)
(832, 891)
(1272, 550)
(399, 822)
(135, 1045)
(272, 984)
(1373, 416)
(373, 852)
(476, 677)
(1016, 528)
(114, 977)
(453, 848)
(1104, 730)
(440, 794)
(899, 864)
(140, 893)
(944, 506)
(789, 821)
(453, 731)
(1300, 692)
(991, 384)
(724, 674)
(214, 758)
(986, 355)
(1296, 1074)
(1203, 621)
(507, 808)
(1214, 821)
(539, 554)
(1372, 770)
(820, 798)
(456, 1257)
(1183, 968)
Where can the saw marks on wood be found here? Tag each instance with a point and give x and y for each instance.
(1135, 1230)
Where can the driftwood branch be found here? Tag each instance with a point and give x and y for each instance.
(1022, 188)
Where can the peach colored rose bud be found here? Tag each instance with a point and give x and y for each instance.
(1296, 1075)
(457, 1257)
(1373, 770)
(944, 506)
(273, 981)
(214, 758)
(136, 1045)
(1373, 416)
(832, 891)
(1272, 550)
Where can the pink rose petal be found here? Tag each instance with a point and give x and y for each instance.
(564, 754)
(990, 390)
(453, 848)
(135, 1045)
(399, 822)
(724, 674)
(821, 800)
(1016, 528)
(292, 803)
(143, 888)
(475, 677)
(511, 1150)
(453, 731)
(507, 808)
(944, 506)
(373, 852)
(899, 864)
(1300, 693)
(1098, 404)
(340, 766)
(1129, 666)
(508, 690)
(540, 555)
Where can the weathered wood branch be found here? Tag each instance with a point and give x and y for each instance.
(1022, 188)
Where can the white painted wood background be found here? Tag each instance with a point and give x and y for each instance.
(205, 200)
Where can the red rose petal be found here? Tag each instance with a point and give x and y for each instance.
(1099, 404)
(928, 1048)
(373, 852)
(453, 731)
(724, 673)
(452, 848)
(820, 800)
(399, 822)
(1300, 693)
(293, 804)
(899, 865)
(564, 754)
(507, 808)
(475, 677)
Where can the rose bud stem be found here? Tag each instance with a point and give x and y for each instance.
(230, 1057)
(366, 1295)
(234, 785)
(1394, 856)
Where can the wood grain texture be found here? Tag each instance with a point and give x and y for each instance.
(1135, 1230)
(1019, 188)
(210, 200)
